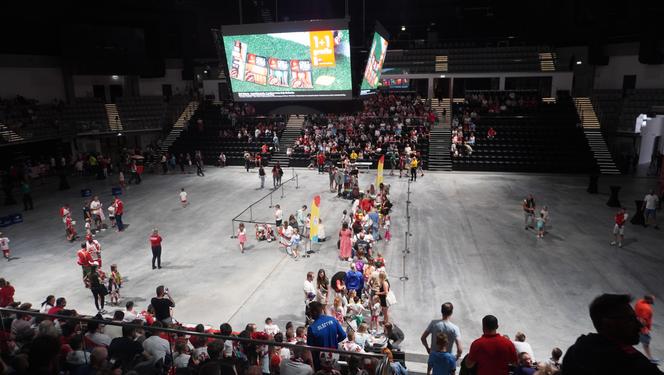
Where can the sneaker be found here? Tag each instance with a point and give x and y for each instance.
(613, 243)
(619, 244)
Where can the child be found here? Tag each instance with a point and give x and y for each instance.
(4, 246)
(338, 310)
(386, 224)
(242, 236)
(111, 215)
(295, 243)
(114, 284)
(540, 226)
(440, 361)
(183, 198)
(375, 313)
(88, 226)
(121, 180)
(270, 328)
(69, 228)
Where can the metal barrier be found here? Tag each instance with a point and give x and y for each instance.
(250, 208)
(381, 366)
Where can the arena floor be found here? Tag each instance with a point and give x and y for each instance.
(468, 247)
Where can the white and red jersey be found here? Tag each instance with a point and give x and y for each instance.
(94, 248)
(69, 223)
(84, 258)
(4, 243)
(64, 211)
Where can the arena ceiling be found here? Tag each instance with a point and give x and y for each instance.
(180, 28)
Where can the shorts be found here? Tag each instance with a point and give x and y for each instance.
(619, 229)
(644, 338)
(651, 211)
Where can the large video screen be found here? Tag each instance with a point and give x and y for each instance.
(294, 65)
(371, 78)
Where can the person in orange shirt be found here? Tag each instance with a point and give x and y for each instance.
(643, 310)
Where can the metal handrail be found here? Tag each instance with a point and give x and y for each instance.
(251, 206)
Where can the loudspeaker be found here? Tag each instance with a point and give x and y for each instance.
(649, 53)
(596, 55)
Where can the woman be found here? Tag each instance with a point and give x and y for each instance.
(322, 288)
(98, 290)
(345, 251)
(155, 243)
(384, 288)
(47, 304)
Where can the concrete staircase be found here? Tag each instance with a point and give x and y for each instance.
(185, 116)
(591, 128)
(446, 104)
(114, 121)
(439, 148)
(9, 135)
(288, 137)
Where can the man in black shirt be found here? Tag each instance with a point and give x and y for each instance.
(125, 350)
(394, 335)
(162, 304)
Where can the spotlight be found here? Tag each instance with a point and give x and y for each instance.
(579, 62)
(119, 134)
(114, 77)
(403, 28)
(205, 71)
(442, 76)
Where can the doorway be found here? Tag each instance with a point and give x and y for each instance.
(116, 92)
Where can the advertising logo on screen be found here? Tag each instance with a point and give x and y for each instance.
(371, 78)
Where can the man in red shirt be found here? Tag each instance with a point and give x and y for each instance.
(491, 354)
(85, 259)
(643, 310)
(119, 210)
(320, 160)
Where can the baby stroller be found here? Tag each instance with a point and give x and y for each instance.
(264, 232)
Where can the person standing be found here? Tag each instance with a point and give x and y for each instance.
(183, 198)
(619, 227)
(332, 171)
(119, 211)
(162, 305)
(85, 260)
(241, 236)
(164, 164)
(446, 327)
(98, 290)
(643, 311)
(491, 353)
(278, 216)
(301, 216)
(199, 166)
(339, 181)
(261, 175)
(345, 247)
(413, 168)
(4, 246)
(155, 243)
(275, 142)
(94, 249)
(27, 196)
(650, 202)
(324, 332)
(528, 206)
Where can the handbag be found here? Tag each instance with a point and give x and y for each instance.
(391, 298)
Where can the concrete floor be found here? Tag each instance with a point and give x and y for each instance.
(468, 247)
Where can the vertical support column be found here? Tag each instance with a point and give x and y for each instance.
(430, 88)
(501, 83)
(451, 90)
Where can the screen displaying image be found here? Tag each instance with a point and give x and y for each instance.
(395, 83)
(289, 65)
(371, 78)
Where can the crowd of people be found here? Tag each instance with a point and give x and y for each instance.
(388, 123)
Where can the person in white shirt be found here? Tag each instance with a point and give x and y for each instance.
(309, 288)
(113, 331)
(183, 198)
(155, 346)
(95, 335)
(650, 208)
(97, 213)
(270, 329)
(278, 215)
(47, 304)
(521, 345)
(129, 314)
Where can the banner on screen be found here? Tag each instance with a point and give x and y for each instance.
(371, 78)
